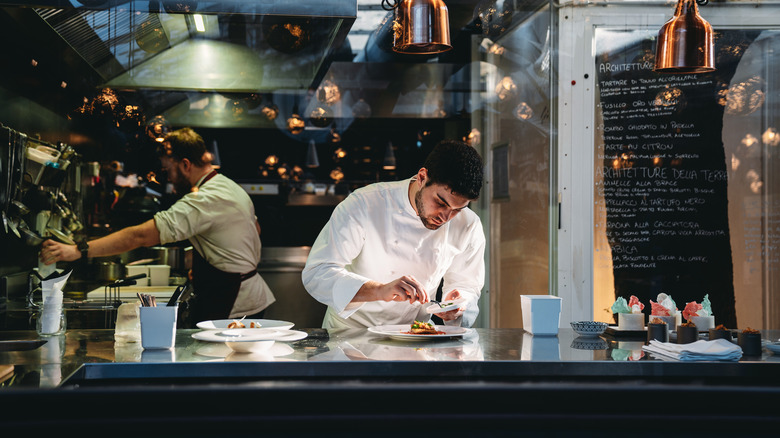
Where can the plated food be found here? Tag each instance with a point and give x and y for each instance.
(424, 328)
(259, 323)
(403, 332)
(252, 335)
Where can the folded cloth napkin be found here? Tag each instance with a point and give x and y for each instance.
(718, 349)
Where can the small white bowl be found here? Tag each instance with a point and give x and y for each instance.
(589, 328)
(250, 346)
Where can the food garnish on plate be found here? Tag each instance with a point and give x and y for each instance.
(239, 324)
(424, 328)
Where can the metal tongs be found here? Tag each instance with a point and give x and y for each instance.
(440, 304)
(178, 293)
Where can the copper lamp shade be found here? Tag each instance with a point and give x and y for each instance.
(685, 42)
(422, 27)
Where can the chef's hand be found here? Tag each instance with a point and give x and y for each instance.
(455, 313)
(52, 252)
(406, 288)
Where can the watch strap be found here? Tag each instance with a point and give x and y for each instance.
(83, 246)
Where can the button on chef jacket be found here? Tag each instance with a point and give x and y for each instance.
(375, 234)
(219, 220)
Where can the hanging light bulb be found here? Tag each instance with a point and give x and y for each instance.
(311, 155)
(158, 128)
(388, 163)
(321, 116)
(361, 109)
(295, 123)
(420, 26)
(685, 42)
(328, 92)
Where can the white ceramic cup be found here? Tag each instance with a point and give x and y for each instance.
(159, 275)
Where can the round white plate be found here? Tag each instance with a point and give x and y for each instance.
(400, 332)
(259, 335)
(448, 305)
(264, 323)
(774, 347)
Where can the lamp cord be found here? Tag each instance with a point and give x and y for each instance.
(390, 5)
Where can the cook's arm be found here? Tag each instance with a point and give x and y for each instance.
(467, 276)
(126, 239)
(325, 276)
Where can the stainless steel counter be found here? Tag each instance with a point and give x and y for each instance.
(560, 378)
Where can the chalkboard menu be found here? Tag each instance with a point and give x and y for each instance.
(661, 179)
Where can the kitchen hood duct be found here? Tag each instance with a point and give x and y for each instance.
(197, 65)
(249, 46)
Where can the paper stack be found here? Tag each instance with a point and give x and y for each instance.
(52, 319)
(718, 349)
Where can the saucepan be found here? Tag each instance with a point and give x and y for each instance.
(110, 271)
(177, 257)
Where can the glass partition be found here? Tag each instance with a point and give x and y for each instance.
(685, 202)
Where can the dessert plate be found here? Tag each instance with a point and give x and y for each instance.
(445, 306)
(257, 335)
(264, 323)
(401, 332)
(774, 347)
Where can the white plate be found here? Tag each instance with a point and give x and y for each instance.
(264, 335)
(774, 347)
(448, 305)
(264, 323)
(400, 332)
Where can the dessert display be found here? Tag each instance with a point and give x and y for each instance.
(687, 332)
(628, 351)
(630, 316)
(700, 314)
(720, 332)
(657, 330)
(750, 341)
(666, 309)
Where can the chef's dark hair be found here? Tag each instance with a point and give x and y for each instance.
(457, 165)
(185, 143)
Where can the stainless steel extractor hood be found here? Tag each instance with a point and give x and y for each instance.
(226, 46)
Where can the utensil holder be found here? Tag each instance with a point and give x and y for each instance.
(158, 327)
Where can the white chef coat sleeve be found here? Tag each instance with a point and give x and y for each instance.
(467, 275)
(341, 240)
(190, 215)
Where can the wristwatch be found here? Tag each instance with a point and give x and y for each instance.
(83, 246)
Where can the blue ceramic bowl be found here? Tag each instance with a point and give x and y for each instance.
(589, 328)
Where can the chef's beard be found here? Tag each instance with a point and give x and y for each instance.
(426, 221)
(181, 186)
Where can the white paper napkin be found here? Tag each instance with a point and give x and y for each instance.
(718, 349)
(51, 290)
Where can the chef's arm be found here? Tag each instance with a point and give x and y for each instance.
(406, 288)
(126, 239)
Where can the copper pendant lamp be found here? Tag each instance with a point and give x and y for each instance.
(685, 42)
(420, 26)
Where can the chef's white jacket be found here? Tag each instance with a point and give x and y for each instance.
(375, 234)
(219, 220)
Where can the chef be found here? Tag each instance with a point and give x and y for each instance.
(382, 255)
(218, 218)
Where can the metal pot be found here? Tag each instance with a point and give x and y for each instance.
(179, 258)
(110, 271)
